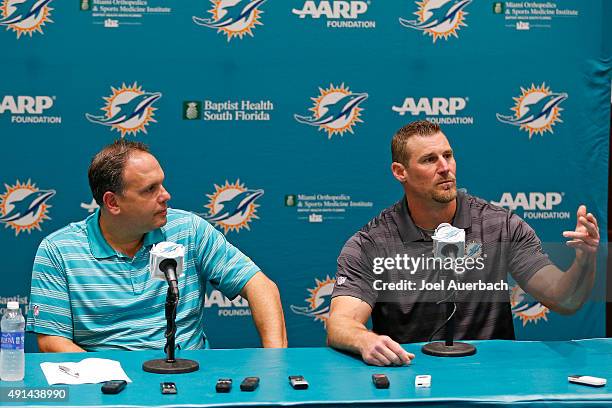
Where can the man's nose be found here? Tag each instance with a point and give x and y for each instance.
(443, 166)
(165, 195)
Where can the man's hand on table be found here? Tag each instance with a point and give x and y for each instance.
(383, 351)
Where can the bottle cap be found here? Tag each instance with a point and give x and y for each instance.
(12, 305)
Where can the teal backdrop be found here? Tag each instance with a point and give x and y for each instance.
(294, 104)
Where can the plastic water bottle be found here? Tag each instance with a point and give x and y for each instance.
(12, 355)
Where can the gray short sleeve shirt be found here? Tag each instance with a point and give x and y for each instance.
(504, 242)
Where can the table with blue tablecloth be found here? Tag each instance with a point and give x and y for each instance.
(500, 373)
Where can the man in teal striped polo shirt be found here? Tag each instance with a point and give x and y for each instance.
(91, 288)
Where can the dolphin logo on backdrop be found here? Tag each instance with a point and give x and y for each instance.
(536, 110)
(24, 207)
(25, 17)
(232, 206)
(438, 18)
(335, 110)
(234, 18)
(128, 110)
(319, 300)
(526, 307)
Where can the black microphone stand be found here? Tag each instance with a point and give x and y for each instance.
(170, 365)
(448, 348)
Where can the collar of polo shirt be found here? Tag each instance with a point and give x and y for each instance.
(408, 230)
(101, 249)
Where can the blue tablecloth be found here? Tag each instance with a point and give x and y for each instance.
(501, 372)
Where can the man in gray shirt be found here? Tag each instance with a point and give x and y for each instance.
(424, 164)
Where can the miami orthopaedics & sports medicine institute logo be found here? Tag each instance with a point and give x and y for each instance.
(25, 17)
(128, 110)
(233, 18)
(232, 206)
(536, 110)
(336, 110)
(438, 18)
(525, 307)
(319, 300)
(23, 206)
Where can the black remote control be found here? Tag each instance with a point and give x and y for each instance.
(249, 384)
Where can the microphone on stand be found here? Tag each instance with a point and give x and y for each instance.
(168, 267)
(448, 242)
(166, 263)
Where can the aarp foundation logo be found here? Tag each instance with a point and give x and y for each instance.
(25, 17)
(319, 301)
(336, 110)
(234, 18)
(232, 206)
(23, 206)
(525, 307)
(438, 18)
(536, 110)
(128, 109)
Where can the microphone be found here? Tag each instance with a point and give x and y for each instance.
(168, 267)
(448, 242)
(166, 263)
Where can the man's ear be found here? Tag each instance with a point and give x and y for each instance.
(109, 199)
(399, 171)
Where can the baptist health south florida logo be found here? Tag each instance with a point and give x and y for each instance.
(25, 17)
(234, 18)
(438, 18)
(319, 300)
(335, 110)
(128, 109)
(23, 206)
(232, 206)
(525, 307)
(536, 110)
(337, 13)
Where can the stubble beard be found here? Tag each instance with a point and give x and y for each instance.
(444, 196)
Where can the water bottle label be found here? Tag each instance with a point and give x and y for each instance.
(13, 341)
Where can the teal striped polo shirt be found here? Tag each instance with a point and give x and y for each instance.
(84, 290)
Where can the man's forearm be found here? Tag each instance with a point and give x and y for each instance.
(267, 311)
(346, 333)
(577, 282)
(57, 344)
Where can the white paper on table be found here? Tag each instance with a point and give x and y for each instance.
(91, 371)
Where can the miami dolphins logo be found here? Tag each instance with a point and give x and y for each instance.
(439, 18)
(23, 206)
(473, 249)
(335, 110)
(232, 206)
(319, 301)
(536, 110)
(128, 110)
(25, 17)
(234, 18)
(525, 307)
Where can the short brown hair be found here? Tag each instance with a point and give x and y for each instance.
(399, 152)
(106, 168)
